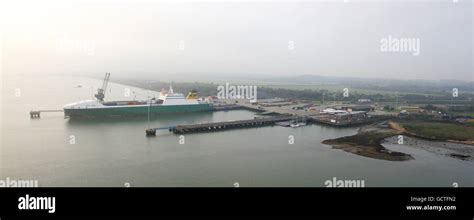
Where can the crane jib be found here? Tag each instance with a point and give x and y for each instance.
(101, 91)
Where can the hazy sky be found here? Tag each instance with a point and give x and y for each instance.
(234, 38)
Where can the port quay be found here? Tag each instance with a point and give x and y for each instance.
(279, 113)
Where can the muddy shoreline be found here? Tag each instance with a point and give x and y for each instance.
(368, 143)
(369, 140)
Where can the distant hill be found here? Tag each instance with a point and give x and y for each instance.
(400, 85)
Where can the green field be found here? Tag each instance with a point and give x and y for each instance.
(470, 114)
(440, 131)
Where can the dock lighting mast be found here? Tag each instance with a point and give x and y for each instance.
(101, 91)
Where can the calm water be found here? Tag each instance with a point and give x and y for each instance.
(112, 152)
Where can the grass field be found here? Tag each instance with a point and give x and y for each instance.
(468, 114)
(440, 131)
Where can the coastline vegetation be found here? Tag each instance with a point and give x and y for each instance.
(368, 144)
(442, 131)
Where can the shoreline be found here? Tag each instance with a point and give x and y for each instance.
(368, 143)
(369, 139)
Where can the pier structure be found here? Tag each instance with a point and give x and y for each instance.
(152, 131)
(282, 120)
(226, 107)
(274, 116)
(216, 126)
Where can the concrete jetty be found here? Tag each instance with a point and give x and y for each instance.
(215, 126)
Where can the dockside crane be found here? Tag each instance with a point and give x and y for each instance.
(101, 91)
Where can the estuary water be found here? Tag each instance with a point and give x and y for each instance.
(115, 152)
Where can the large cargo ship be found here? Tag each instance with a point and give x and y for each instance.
(167, 102)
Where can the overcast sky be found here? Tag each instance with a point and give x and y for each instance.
(234, 38)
